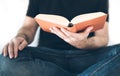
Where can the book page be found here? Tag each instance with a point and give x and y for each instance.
(54, 19)
(86, 17)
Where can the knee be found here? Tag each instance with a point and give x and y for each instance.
(5, 62)
(9, 67)
(3, 65)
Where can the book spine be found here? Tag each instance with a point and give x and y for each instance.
(70, 25)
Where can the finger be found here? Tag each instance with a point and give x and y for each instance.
(5, 50)
(71, 37)
(11, 50)
(23, 45)
(58, 32)
(66, 32)
(88, 30)
(16, 45)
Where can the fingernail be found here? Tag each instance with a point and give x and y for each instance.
(54, 28)
(15, 56)
(50, 29)
(91, 27)
(11, 57)
(5, 55)
(20, 48)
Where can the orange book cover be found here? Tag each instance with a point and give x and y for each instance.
(78, 23)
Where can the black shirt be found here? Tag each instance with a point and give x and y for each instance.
(66, 8)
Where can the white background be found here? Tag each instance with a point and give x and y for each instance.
(12, 14)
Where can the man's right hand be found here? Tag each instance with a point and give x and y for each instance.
(24, 37)
(12, 48)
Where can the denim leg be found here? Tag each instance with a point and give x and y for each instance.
(27, 65)
(109, 66)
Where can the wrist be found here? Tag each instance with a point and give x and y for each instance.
(23, 36)
(82, 44)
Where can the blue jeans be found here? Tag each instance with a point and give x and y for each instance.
(42, 61)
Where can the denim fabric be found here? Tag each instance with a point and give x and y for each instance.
(42, 61)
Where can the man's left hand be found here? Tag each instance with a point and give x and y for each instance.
(74, 39)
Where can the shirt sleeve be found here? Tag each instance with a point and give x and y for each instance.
(32, 10)
(104, 7)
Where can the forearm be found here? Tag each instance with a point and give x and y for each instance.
(28, 30)
(100, 39)
(94, 42)
(26, 33)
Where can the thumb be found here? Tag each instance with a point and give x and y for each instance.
(23, 45)
(88, 30)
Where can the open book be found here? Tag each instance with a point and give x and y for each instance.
(77, 24)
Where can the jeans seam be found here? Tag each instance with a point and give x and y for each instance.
(104, 64)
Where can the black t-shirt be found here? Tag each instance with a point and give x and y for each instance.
(66, 8)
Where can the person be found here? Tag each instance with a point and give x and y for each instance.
(61, 53)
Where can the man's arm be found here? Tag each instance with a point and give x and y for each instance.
(81, 40)
(100, 39)
(28, 29)
(24, 36)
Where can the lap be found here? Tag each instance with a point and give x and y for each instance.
(81, 63)
(26, 65)
(108, 65)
